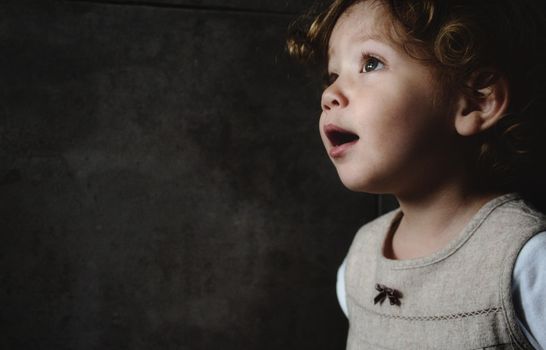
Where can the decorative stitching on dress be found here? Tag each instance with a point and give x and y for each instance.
(441, 317)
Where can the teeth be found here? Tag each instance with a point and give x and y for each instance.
(339, 138)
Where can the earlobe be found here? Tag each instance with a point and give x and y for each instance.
(474, 115)
(468, 124)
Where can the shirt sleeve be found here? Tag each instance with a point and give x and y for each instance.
(340, 288)
(529, 290)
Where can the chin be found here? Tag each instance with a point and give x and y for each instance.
(362, 181)
(358, 184)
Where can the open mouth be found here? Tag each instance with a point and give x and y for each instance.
(339, 136)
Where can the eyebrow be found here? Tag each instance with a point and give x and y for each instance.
(376, 36)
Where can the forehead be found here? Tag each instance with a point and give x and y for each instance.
(365, 20)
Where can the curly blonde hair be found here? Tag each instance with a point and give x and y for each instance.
(466, 41)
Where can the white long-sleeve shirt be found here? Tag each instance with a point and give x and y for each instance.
(528, 290)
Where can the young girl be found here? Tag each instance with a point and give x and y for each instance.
(438, 103)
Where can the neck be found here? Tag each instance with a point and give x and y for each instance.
(432, 211)
(431, 219)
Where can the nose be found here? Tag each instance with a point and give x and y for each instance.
(333, 98)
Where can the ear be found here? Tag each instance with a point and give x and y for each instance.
(474, 115)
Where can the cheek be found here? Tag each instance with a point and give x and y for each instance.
(390, 116)
(402, 120)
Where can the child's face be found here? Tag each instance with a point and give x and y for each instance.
(386, 100)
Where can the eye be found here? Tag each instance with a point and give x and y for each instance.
(372, 63)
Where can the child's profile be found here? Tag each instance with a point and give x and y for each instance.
(441, 104)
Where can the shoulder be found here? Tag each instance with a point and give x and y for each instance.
(375, 228)
(366, 245)
(529, 274)
(513, 214)
(516, 205)
(528, 289)
(532, 256)
(509, 224)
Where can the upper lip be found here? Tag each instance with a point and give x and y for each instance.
(339, 136)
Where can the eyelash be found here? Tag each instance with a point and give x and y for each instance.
(329, 79)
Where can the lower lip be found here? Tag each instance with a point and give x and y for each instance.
(339, 151)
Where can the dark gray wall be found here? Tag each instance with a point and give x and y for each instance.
(162, 181)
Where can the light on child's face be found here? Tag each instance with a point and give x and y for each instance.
(381, 122)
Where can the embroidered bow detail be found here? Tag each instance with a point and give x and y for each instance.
(386, 292)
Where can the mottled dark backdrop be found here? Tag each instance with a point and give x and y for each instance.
(162, 180)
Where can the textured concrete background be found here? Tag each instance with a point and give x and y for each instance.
(162, 180)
